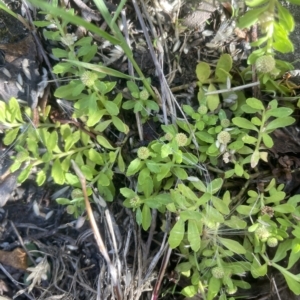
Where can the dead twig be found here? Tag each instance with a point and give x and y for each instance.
(112, 269)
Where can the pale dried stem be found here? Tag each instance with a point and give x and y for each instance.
(97, 235)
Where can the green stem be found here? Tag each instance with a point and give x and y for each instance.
(109, 20)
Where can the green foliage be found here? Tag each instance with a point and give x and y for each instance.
(187, 171)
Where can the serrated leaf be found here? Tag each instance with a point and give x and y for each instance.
(10, 136)
(243, 123)
(176, 234)
(14, 109)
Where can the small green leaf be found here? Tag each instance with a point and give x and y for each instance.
(103, 179)
(255, 158)
(279, 123)
(176, 234)
(284, 208)
(180, 173)
(189, 291)
(127, 193)
(134, 167)
(215, 185)
(282, 250)
(250, 17)
(63, 201)
(258, 270)
(243, 123)
(94, 156)
(166, 150)
(40, 178)
(57, 172)
(223, 67)
(193, 235)
(146, 217)
(10, 136)
(104, 142)
(236, 223)
(60, 53)
(163, 172)
(255, 103)
(247, 210)
(238, 169)
(112, 108)
(24, 174)
(220, 206)
(121, 163)
(51, 143)
(256, 121)
(203, 71)
(254, 3)
(247, 139)
(133, 88)
(205, 137)
(138, 216)
(212, 101)
(293, 284)
(267, 140)
(122, 127)
(232, 245)
(279, 112)
(214, 287)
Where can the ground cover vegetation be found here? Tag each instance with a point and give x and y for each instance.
(206, 177)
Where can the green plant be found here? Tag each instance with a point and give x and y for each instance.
(190, 170)
(275, 23)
